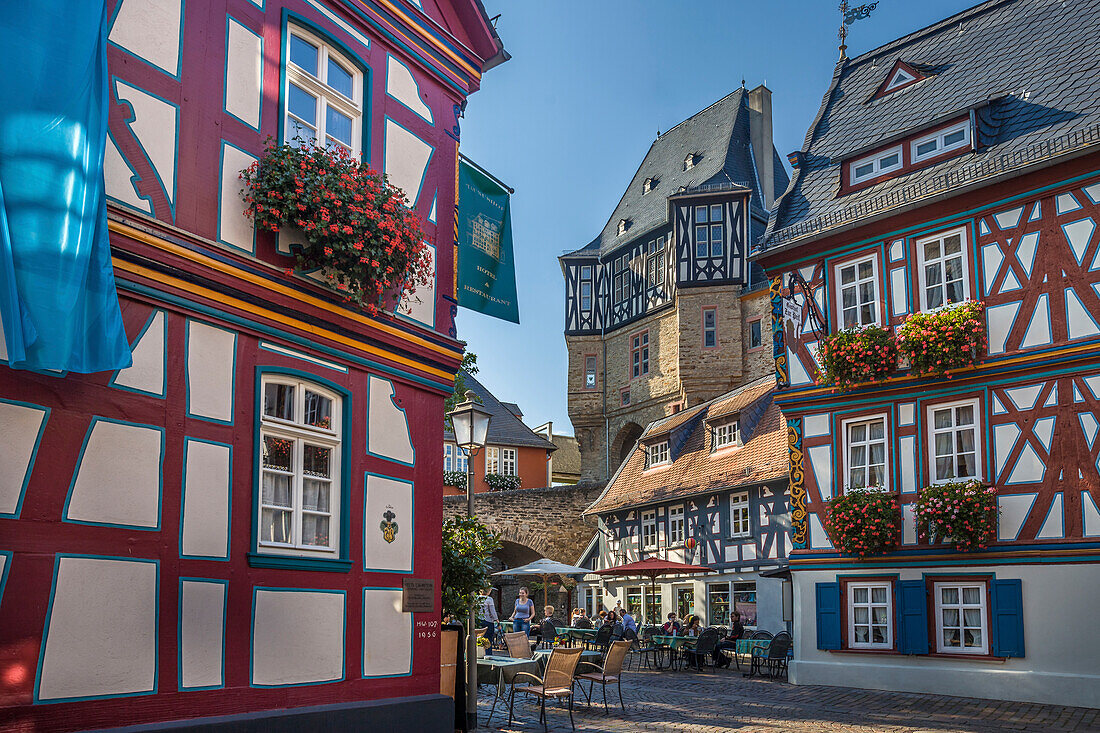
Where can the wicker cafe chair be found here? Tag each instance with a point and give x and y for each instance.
(519, 646)
(610, 674)
(556, 682)
(703, 651)
(774, 658)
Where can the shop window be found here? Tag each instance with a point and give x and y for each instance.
(718, 604)
(744, 602)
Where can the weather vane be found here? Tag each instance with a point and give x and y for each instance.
(851, 15)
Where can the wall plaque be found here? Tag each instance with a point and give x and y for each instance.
(417, 595)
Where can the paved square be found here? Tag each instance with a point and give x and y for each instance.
(723, 700)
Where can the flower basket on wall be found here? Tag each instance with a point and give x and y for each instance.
(856, 356)
(944, 340)
(456, 479)
(963, 513)
(500, 482)
(360, 233)
(864, 522)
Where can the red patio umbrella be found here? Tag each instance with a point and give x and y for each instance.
(651, 568)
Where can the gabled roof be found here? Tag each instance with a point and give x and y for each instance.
(695, 470)
(719, 136)
(1029, 69)
(505, 429)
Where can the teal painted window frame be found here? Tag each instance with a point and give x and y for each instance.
(257, 558)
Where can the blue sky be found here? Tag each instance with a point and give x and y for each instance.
(568, 120)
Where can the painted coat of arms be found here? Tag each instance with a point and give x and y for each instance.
(388, 526)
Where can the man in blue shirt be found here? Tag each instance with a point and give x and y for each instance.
(629, 623)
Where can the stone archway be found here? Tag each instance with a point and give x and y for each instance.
(623, 444)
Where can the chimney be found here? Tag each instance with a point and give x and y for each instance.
(760, 134)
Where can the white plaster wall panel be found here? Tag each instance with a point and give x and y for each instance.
(387, 425)
(243, 74)
(118, 479)
(907, 413)
(748, 551)
(150, 29)
(388, 654)
(1089, 427)
(1025, 251)
(821, 463)
(992, 257)
(1038, 330)
(1093, 383)
(907, 455)
(1052, 396)
(401, 85)
(211, 364)
(999, 319)
(1025, 397)
(388, 500)
(118, 179)
(1093, 192)
(1091, 515)
(234, 228)
(898, 292)
(406, 160)
(897, 250)
(798, 373)
(1010, 283)
(1004, 439)
(1014, 509)
(420, 304)
(1044, 431)
(1029, 467)
(1078, 234)
(20, 430)
(1054, 525)
(297, 637)
(431, 214)
(101, 633)
(816, 425)
(202, 633)
(1009, 218)
(155, 125)
(908, 525)
(983, 227)
(146, 374)
(348, 28)
(205, 512)
(819, 538)
(1079, 321)
(1065, 203)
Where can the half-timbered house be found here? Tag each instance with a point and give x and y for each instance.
(218, 534)
(705, 486)
(958, 163)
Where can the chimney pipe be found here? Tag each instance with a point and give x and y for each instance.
(760, 135)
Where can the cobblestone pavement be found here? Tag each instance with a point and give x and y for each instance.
(723, 700)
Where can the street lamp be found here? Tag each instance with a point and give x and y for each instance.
(470, 424)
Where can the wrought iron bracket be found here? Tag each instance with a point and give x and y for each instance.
(817, 320)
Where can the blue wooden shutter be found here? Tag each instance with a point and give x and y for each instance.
(1008, 618)
(912, 602)
(828, 615)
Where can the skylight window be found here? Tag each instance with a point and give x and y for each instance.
(942, 141)
(875, 165)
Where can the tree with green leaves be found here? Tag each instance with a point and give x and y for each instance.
(468, 366)
(467, 546)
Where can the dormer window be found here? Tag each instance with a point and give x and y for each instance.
(901, 75)
(657, 454)
(624, 224)
(648, 185)
(725, 434)
(940, 142)
(691, 160)
(876, 165)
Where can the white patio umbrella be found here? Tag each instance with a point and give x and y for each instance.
(544, 568)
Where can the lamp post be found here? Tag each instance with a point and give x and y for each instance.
(470, 424)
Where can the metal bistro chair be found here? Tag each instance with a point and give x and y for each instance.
(603, 638)
(775, 658)
(519, 646)
(556, 682)
(548, 636)
(610, 674)
(644, 647)
(703, 651)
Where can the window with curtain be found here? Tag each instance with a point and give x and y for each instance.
(323, 94)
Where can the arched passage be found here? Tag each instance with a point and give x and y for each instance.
(624, 442)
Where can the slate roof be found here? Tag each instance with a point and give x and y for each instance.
(505, 429)
(720, 135)
(694, 469)
(1032, 67)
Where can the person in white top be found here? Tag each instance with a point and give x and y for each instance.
(487, 614)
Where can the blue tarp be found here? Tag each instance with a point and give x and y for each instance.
(57, 290)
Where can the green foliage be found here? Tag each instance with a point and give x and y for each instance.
(455, 478)
(939, 341)
(500, 482)
(857, 355)
(468, 366)
(864, 522)
(961, 512)
(467, 546)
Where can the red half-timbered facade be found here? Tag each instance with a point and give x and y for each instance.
(218, 535)
(921, 197)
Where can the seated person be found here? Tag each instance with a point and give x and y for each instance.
(600, 618)
(672, 626)
(628, 622)
(729, 642)
(692, 626)
(548, 613)
(582, 621)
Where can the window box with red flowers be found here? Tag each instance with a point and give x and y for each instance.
(935, 343)
(864, 522)
(963, 513)
(360, 234)
(856, 356)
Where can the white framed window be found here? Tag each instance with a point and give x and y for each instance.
(323, 93)
(865, 453)
(710, 328)
(756, 334)
(874, 166)
(857, 291)
(492, 460)
(739, 515)
(639, 354)
(300, 481)
(961, 618)
(725, 434)
(901, 77)
(448, 457)
(943, 269)
(870, 608)
(657, 454)
(508, 464)
(649, 529)
(943, 141)
(676, 525)
(709, 231)
(953, 441)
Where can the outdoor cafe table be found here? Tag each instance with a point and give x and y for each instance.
(672, 644)
(501, 671)
(745, 647)
(573, 634)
